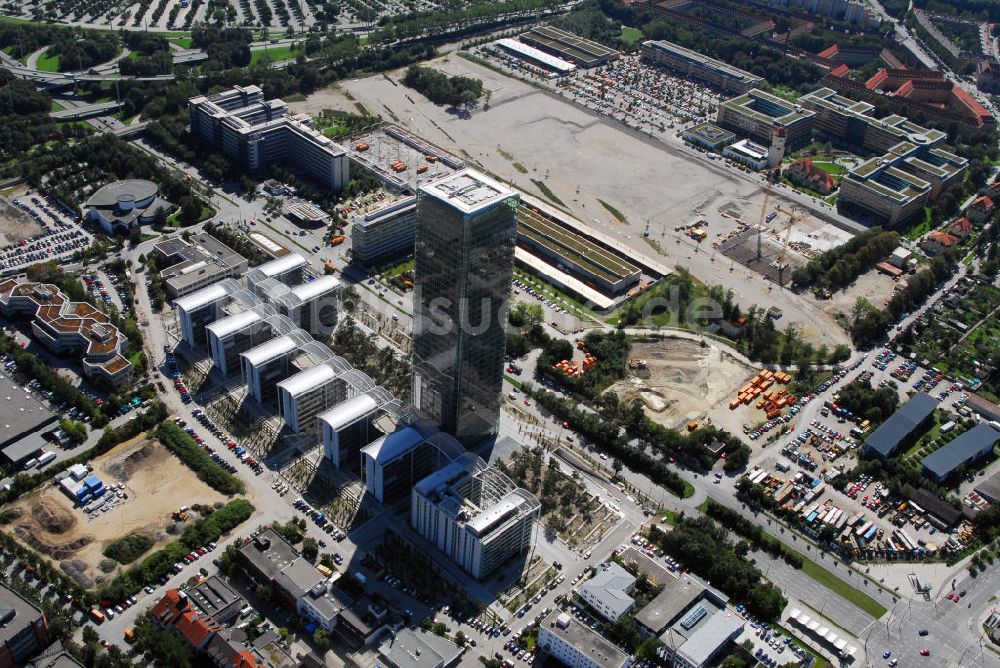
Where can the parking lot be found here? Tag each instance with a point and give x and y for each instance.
(58, 239)
(640, 95)
(866, 519)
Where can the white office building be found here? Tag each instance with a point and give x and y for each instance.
(197, 310)
(574, 644)
(312, 306)
(609, 591)
(475, 514)
(258, 133)
(303, 396)
(237, 333)
(392, 464)
(387, 232)
(347, 428)
(288, 269)
(268, 364)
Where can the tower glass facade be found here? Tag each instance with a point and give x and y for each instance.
(466, 229)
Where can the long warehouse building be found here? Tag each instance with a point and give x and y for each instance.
(693, 65)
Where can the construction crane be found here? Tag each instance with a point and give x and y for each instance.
(763, 218)
(784, 248)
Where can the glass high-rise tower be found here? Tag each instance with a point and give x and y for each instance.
(466, 228)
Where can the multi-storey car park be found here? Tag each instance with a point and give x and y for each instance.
(693, 65)
(589, 264)
(554, 64)
(577, 50)
(399, 159)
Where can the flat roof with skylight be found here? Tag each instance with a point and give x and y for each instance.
(468, 191)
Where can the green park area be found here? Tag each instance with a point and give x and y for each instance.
(276, 54)
(47, 63)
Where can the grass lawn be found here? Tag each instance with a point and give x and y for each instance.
(206, 213)
(48, 63)
(830, 166)
(785, 93)
(920, 229)
(613, 211)
(401, 268)
(277, 54)
(183, 42)
(56, 106)
(547, 192)
(831, 581)
(630, 36)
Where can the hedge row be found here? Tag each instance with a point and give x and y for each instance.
(207, 469)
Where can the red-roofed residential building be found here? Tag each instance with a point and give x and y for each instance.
(937, 242)
(961, 228)
(196, 628)
(169, 608)
(804, 173)
(876, 81)
(828, 52)
(839, 70)
(980, 210)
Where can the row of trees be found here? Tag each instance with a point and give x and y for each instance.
(838, 267)
(198, 534)
(704, 547)
(739, 524)
(597, 429)
(188, 451)
(690, 447)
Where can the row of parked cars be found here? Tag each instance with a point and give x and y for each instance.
(319, 518)
(192, 557)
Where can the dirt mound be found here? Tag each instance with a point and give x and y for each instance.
(53, 518)
(77, 570)
(125, 467)
(29, 534)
